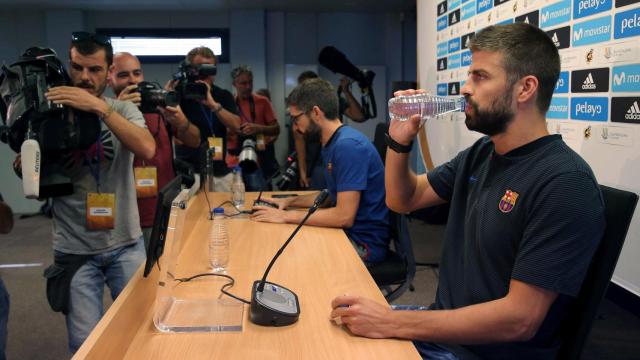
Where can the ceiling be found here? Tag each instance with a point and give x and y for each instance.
(270, 5)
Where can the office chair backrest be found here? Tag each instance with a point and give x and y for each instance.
(619, 208)
(378, 139)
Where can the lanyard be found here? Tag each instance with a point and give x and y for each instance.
(209, 116)
(95, 172)
(252, 109)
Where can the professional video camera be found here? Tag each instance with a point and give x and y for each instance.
(334, 60)
(152, 96)
(40, 130)
(187, 76)
(290, 175)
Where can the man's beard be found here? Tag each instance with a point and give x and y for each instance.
(313, 133)
(494, 120)
(96, 89)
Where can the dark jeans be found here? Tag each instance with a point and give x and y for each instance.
(4, 318)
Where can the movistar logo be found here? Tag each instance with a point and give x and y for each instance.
(633, 113)
(592, 31)
(623, 78)
(588, 83)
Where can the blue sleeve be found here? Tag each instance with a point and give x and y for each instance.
(442, 178)
(350, 169)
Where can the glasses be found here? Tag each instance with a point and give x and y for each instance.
(295, 118)
(78, 36)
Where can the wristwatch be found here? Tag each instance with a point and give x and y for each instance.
(397, 147)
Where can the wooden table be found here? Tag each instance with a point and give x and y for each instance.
(318, 264)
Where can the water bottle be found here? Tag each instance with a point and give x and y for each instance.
(427, 106)
(218, 242)
(237, 188)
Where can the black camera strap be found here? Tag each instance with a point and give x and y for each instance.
(252, 109)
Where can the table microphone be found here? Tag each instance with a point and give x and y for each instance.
(272, 304)
(290, 158)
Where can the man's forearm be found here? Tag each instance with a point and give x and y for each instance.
(400, 182)
(269, 130)
(229, 119)
(189, 134)
(134, 138)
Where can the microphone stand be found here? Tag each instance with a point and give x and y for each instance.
(276, 305)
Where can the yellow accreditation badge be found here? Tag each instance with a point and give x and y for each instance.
(146, 178)
(215, 143)
(260, 143)
(101, 211)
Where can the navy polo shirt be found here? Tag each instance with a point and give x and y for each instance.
(535, 215)
(351, 163)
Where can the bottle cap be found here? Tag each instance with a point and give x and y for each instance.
(218, 210)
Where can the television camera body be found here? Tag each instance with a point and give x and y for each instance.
(43, 132)
(188, 88)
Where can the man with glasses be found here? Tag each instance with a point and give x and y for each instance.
(96, 230)
(166, 122)
(213, 116)
(353, 171)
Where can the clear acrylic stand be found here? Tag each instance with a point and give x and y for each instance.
(184, 306)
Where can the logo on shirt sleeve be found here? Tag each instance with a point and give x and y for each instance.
(508, 201)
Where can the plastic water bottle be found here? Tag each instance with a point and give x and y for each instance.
(219, 242)
(237, 188)
(427, 106)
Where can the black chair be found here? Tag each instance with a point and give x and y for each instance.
(378, 139)
(395, 274)
(619, 208)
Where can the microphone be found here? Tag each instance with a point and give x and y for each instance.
(290, 158)
(30, 157)
(272, 304)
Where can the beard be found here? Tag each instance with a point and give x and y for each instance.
(493, 120)
(313, 132)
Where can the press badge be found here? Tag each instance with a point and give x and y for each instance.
(215, 143)
(260, 145)
(101, 211)
(146, 178)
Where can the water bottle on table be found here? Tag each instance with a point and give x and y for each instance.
(218, 242)
(237, 188)
(427, 106)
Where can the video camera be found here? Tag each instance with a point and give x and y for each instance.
(334, 60)
(43, 132)
(187, 76)
(153, 95)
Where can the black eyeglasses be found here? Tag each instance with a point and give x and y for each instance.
(294, 118)
(78, 36)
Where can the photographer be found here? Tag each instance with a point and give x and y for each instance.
(213, 114)
(124, 76)
(96, 230)
(258, 123)
(308, 150)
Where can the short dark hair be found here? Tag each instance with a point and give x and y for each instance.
(239, 70)
(315, 92)
(306, 75)
(526, 50)
(90, 46)
(202, 51)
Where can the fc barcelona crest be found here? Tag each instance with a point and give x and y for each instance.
(329, 167)
(508, 201)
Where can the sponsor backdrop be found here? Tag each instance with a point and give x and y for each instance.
(596, 104)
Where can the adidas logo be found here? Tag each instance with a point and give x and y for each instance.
(634, 112)
(454, 91)
(466, 43)
(555, 40)
(588, 83)
(442, 10)
(526, 20)
(441, 65)
(454, 18)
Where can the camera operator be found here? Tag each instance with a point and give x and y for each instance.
(96, 230)
(258, 122)
(310, 161)
(124, 76)
(212, 115)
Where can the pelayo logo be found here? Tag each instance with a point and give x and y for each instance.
(454, 45)
(590, 108)
(625, 109)
(627, 24)
(483, 5)
(442, 23)
(592, 31)
(591, 80)
(442, 89)
(626, 78)
(466, 58)
(582, 8)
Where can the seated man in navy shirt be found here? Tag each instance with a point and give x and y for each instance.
(353, 171)
(526, 215)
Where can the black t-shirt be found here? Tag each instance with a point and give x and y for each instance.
(209, 125)
(535, 215)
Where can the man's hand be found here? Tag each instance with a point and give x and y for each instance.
(174, 116)
(249, 129)
(269, 214)
(363, 317)
(345, 84)
(171, 85)
(209, 102)
(77, 98)
(304, 180)
(403, 132)
(130, 93)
